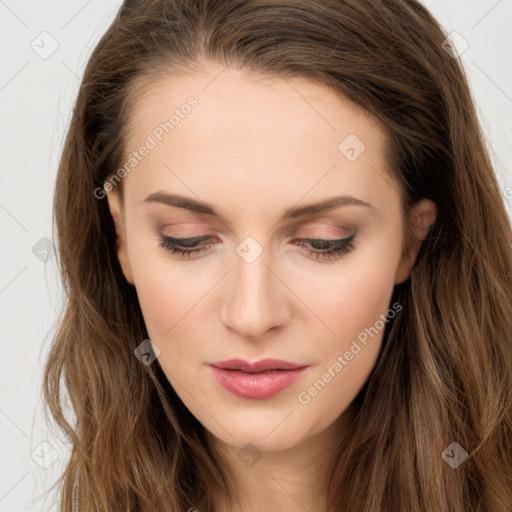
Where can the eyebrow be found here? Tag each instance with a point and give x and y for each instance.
(292, 213)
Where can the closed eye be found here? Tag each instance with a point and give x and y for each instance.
(318, 248)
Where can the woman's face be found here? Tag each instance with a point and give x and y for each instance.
(247, 163)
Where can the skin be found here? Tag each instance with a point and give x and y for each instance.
(253, 148)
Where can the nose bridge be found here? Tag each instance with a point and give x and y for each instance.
(253, 302)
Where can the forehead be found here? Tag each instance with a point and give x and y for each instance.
(234, 98)
(249, 132)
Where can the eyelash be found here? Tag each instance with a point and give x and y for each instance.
(339, 247)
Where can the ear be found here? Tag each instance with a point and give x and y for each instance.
(423, 215)
(116, 210)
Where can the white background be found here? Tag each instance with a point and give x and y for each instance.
(36, 96)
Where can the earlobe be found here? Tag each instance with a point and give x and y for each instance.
(121, 250)
(423, 215)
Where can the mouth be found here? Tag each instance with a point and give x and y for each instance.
(259, 380)
(258, 366)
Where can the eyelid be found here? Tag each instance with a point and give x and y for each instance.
(186, 240)
(338, 247)
(327, 236)
(325, 230)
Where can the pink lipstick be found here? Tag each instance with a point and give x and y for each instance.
(258, 380)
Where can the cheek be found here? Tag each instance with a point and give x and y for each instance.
(168, 294)
(171, 307)
(352, 295)
(355, 305)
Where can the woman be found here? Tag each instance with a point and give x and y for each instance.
(287, 263)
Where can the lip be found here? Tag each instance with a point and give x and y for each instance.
(258, 380)
(257, 366)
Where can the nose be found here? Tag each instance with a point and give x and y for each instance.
(254, 298)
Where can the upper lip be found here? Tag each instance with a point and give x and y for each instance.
(258, 366)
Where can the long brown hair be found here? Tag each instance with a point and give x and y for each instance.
(444, 374)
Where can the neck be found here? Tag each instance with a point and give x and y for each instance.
(293, 479)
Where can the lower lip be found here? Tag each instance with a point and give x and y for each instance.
(256, 385)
